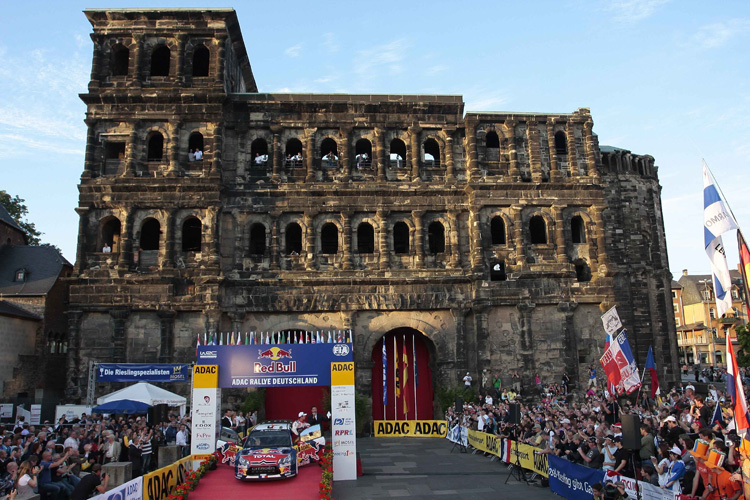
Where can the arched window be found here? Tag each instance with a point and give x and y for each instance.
(398, 153)
(583, 271)
(201, 57)
(160, 61)
(155, 147)
(365, 238)
(329, 239)
(561, 143)
(150, 234)
(436, 237)
(111, 234)
(293, 239)
(293, 153)
(329, 152)
(577, 230)
(195, 142)
(492, 140)
(497, 272)
(538, 230)
(400, 238)
(258, 239)
(363, 153)
(191, 235)
(497, 230)
(259, 152)
(431, 152)
(120, 60)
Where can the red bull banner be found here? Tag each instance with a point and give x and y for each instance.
(268, 365)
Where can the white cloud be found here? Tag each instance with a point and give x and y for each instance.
(434, 70)
(294, 51)
(329, 42)
(16, 146)
(481, 100)
(715, 35)
(634, 10)
(376, 60)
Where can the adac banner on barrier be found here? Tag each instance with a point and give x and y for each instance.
(141, 372)
(530, 458)
(132, 490)
(282, 365)
(158, 485)
(458, 434)
(411, 428)
(507, 450)
(572, 481)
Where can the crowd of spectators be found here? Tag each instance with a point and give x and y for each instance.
(48, 459)
(587, 430)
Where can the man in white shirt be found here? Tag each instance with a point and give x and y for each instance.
(467, 380)
(181, 439)
(488, 399)
(300, 424)
(198, 155)
(72, 441)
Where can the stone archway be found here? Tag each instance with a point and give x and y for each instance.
(416, 394)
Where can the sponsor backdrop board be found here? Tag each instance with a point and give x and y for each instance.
(283, 365)
(411, 428)
(6, 410)
(141, 372)
(36, 415)
(343, 424)
(206, 410)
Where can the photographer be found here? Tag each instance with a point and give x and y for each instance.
(90, 483)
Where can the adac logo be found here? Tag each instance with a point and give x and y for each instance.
(275, 353)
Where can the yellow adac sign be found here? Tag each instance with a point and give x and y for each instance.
(411, 428)
(342, 373)
(158, 485)
(205, 376)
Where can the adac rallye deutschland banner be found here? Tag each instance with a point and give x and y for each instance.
(268, 365)
(141, 372)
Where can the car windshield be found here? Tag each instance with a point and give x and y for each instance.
(268, 439)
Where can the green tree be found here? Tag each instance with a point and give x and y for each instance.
(743, 337)
(18, 210)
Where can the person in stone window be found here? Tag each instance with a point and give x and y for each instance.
(331, 158)
(191, 155)
(106, 248)
(259, 159)
(297, 160)
(198, 154)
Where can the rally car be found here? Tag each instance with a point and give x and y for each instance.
(269, 451)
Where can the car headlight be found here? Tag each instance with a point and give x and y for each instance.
(286, 461)
(242, 462)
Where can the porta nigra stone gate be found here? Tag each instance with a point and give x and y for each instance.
(496, 238)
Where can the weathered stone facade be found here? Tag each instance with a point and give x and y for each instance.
(496, 236)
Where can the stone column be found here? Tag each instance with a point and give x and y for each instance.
(535, 153)
(131, 152)
(119, 339)
(379, 156)
(481, 324)
(455, 253)
(166, 331)
(570, 343)
(476, 240)
(602, 264)
(589, 148)
(308, 155)
(346, 224)
(345, 164)
(415, 158)
(221, 41)
(179, 71)
(276, 158)
(174, 149)
(570, 137)
(554, 169)
(526, 354)
(450, 168)
(212, 320)
(168, 251)
(471, 154)
(275, 240)
(83, 214)
(513, 171)
(560, 250)
(384, 254)
(125, 259)
(97, 62)
(92, 166)
(418, 237)
(459, 316)
(209, 250)
(75, 379)
(214, 156)
(518, 236)
(309, 243)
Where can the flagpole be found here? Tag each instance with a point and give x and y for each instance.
(716, 184)
(414, 363)
(403, 382)
(385, 378)
(395, 379)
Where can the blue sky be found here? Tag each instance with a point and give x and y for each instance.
(665, 78)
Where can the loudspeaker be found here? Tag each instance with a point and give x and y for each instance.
(158, 414)
(459, 405)
(514, 414)
(631, 432)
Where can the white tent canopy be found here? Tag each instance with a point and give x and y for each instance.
(145, 393)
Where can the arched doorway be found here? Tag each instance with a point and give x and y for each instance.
(415, 401)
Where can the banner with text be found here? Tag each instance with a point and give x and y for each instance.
(141, 372)
(158, 485)
(648, 491)
(411, 428)
(206, 411)
(283, 365)
(573, 481)
(458, 434)
(132, 490)
(507, 450)
(343, 423)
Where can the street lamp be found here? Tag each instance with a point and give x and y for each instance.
(709, 326)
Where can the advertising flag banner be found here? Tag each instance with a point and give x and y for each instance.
(651, 367)
(141, 372)
(735, 391)
(573, 481)
(619, 365)
(611, 321)
(744, 268)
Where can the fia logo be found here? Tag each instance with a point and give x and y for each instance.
(340, 350)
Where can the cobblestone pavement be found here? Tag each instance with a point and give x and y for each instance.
(426, 469)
